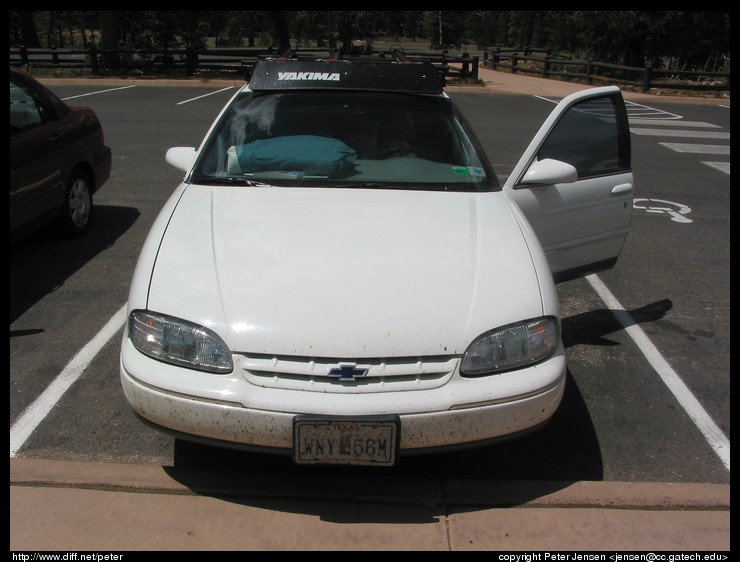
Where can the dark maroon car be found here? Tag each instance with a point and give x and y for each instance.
(58, 160)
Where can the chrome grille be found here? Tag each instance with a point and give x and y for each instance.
(347, 376)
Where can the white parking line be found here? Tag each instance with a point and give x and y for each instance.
(697, 148)
(645, 111)
(205, 95)
(711, 432)
(100, 92)
(32, 416)
(674, 123)
(721, 166)
(672, 133)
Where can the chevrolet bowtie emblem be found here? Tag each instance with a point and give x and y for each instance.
(347, 372)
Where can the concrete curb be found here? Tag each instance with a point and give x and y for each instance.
(154, 479)
(70, 505)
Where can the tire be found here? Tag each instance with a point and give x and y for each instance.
(77, 207)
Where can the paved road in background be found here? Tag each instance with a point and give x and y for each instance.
(656, 323)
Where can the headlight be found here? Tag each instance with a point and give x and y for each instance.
(179, 342)
(511, 347)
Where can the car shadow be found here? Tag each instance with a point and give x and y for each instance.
(564, 451)
(43, 262)
(593, 327)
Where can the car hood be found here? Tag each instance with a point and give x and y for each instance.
(344, 273)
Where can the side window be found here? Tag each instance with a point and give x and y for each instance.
(588, 137)
(25, 114)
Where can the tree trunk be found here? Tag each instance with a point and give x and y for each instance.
(109, 33)
(29, 34)
(282, 30)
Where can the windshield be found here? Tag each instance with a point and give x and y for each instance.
(344, 139)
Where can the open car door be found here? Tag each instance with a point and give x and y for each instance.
(574, 183)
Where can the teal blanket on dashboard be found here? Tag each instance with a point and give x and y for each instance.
(313, 155)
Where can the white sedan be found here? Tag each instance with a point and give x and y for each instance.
(341, 277)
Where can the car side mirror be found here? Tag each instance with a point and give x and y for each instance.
(181, 157)
(549, 172)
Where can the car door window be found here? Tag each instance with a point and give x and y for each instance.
(581, 220)
(587, 137)
(25, 113)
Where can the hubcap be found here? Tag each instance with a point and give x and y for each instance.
(79, 204)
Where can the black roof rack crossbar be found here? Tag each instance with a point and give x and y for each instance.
(388, 75)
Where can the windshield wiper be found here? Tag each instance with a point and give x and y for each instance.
(210, 180)
(358, 185)
(397, 186)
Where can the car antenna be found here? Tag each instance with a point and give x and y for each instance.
(398, 54)
(287, 54)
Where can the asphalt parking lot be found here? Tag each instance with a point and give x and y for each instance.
(648, 344)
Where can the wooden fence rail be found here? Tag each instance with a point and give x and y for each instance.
(238, 61)
(541, 63)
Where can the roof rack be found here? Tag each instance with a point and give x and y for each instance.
(292, 72)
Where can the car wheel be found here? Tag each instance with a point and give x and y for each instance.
(77, 207)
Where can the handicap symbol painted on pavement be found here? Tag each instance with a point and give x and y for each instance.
(676, 211)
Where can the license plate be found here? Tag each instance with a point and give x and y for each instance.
(366, 441)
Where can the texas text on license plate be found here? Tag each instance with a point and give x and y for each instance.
(369, 441)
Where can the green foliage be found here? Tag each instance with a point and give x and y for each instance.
(688, 40)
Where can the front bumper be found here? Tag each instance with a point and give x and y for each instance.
(459, 413)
